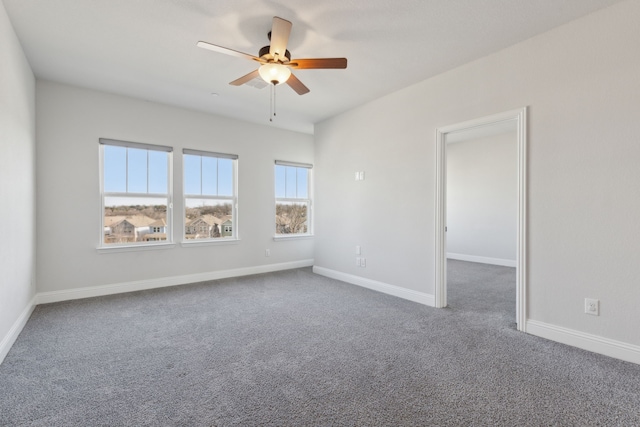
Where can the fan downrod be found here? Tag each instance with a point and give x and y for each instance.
(265, 51)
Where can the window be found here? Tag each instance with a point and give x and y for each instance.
(210, 196)
(293, 201)
(136, 195)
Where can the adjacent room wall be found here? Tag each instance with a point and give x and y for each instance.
(70, 122)
(580, 82)
(17, 185)
(482, 199)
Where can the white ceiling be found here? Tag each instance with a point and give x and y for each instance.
(147, 48)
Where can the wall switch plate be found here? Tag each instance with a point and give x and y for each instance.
(363, 262)
(267, 253)
(358, 250)
(357, 261)
(359, 176)
(592, 306)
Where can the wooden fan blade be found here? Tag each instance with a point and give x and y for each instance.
(227, 51)
(246, 78)
(280, 30)
(297, 85)
(302, 64)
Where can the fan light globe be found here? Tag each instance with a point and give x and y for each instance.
(274, 73)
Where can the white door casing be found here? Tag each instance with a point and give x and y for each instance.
(520, 116)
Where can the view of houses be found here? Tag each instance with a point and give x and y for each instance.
(208, 226)
(135, 228)
(141, 228)
(128, 224)
(143, 223)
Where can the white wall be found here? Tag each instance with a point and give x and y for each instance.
(482, 199)
(17, 185)
(70, 122)
(581, 84)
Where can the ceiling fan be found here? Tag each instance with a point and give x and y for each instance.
(275, 60)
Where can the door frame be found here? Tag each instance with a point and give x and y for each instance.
(520, 116)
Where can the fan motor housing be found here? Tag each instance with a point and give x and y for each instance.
(265, 52)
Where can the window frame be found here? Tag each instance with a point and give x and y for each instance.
(233, 198)
(148, 244)
(308, 200)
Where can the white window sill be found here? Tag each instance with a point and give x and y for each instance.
(194, 243)
(293, 237)
(135, 248)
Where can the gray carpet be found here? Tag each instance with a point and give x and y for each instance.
(296, 349)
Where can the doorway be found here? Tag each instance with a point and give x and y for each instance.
(515, 120)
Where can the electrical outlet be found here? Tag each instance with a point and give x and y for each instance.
(267, 253)
(357, 261)
(592, 306)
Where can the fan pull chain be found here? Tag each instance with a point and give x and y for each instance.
(272, 102)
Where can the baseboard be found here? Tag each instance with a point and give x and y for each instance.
(483, 260)
(594, 343)
(18, 325)
(396, 291)
(140, 285)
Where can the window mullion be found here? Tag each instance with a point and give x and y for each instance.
(205, 196)
(137, 195)
(291, 199)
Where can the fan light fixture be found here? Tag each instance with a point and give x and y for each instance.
(274, 73)
(276, 62)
